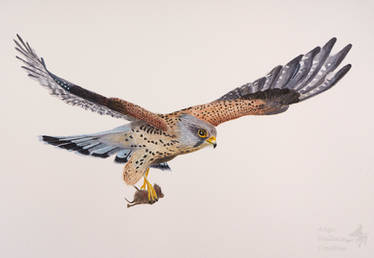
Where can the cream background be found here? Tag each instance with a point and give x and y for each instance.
(267, 189)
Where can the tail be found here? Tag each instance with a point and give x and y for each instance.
(101, 144)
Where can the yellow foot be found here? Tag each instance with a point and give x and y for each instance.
(152, 195)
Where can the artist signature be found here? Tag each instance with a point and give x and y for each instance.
(331, 240)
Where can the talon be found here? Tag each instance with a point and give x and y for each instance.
(151, 192)
(152, 195)
(149, 195)
(143, 186)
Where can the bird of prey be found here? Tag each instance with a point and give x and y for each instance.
(153, 139)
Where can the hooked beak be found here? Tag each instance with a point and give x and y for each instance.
(212, 140)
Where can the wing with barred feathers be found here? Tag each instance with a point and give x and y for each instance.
(300, 79)
(76, 95)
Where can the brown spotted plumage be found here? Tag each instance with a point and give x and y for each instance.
(151, 139)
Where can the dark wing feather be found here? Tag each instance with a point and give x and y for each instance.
(76, 95)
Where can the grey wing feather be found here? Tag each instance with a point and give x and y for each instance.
(305, 76)
(305, 66)
(36, 69)
(318, 61)
(271, 77)
(162, 166)
(329, 66)
(327, 83)
(287, 72)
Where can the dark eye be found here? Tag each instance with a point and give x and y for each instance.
(202, 133)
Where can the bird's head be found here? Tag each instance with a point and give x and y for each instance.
(195, 133)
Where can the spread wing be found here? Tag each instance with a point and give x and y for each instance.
(76, 95)
(302, 78)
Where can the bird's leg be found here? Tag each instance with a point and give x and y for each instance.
(145, 180)
(152, 195)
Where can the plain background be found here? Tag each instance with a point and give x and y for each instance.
(276, 186)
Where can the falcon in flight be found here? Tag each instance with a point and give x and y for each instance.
(153, 139)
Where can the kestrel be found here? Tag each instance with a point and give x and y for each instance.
(153, 139)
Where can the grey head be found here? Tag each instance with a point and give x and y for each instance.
(196, 133)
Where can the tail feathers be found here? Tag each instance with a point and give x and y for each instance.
(83, 145)
(91, 145)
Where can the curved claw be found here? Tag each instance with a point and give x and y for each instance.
(152, 195)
